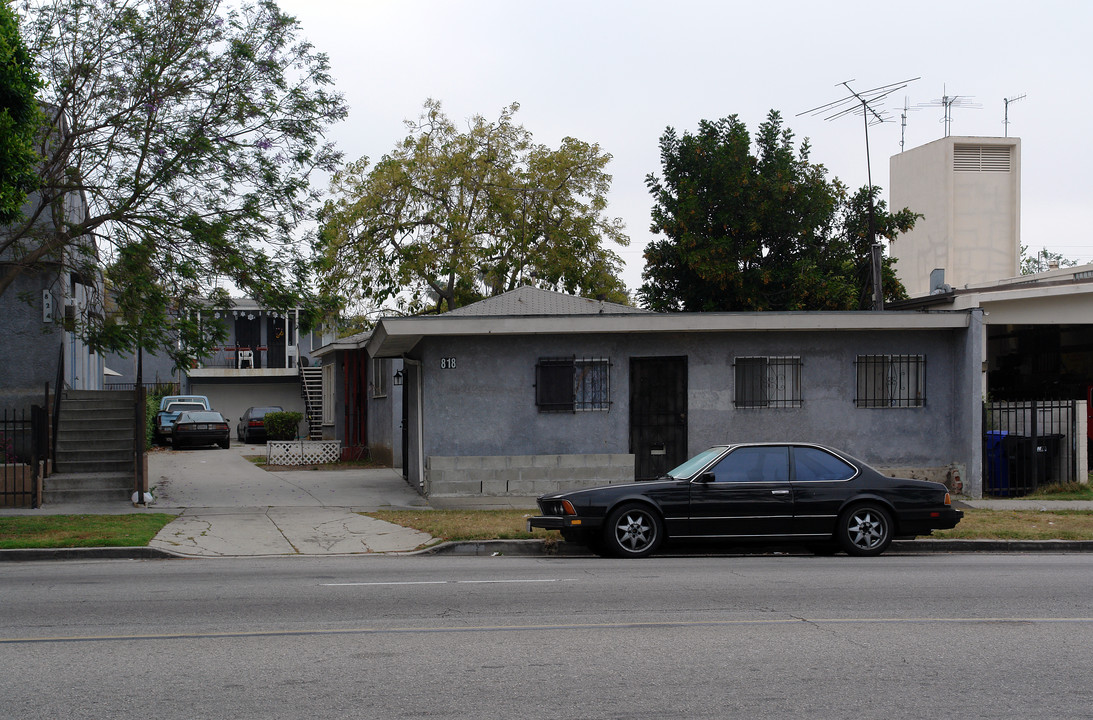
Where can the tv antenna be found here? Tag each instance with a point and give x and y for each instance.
(948, 102)
(864, 103)
(903, 122)
(1006, 115)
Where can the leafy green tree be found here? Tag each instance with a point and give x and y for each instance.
(853, 228)
(191, 130)
(19, 118)
(757, 231)
(451, 216)
(1043, 261)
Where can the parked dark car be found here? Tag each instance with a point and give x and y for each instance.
(793, 492)
(201, 427)
(252, 426)
(169, 409)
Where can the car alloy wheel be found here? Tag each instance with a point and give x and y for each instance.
(865, 530)
(633, 531)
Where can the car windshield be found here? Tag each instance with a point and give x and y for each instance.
(695, 464)
(263, 411)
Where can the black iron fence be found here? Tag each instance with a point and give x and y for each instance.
(24, 453)
(1029, 444)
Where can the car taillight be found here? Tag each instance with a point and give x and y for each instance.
(255, 423)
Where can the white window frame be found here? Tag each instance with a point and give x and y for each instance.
(328, 393)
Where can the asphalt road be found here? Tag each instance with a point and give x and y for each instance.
(961, 636)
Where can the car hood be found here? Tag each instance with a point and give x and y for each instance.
(636, 487)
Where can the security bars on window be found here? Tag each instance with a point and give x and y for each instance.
(890, 381)
(572, 384)
(768, 382)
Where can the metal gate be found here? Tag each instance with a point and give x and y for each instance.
(24, 452)
(658, 414)
(1029, 444)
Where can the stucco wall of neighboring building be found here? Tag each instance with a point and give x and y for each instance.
(231, 399)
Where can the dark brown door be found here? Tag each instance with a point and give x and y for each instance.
(658, 414)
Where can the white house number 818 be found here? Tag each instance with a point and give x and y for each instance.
(447, 363)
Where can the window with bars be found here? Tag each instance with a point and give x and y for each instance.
(572, 384)
(768, 382)
(890, 381)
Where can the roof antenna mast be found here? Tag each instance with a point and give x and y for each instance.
(948, 102)
(866, 104)
(1006, 115)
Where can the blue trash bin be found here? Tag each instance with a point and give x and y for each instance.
(998, 477)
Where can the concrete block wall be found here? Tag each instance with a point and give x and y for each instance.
(523, 475)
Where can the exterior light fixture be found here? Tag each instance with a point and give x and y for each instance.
(398, 378)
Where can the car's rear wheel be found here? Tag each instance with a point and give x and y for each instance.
(865, 530)
(226, 443)
(633, 531)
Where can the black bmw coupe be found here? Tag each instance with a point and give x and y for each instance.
(792, 492)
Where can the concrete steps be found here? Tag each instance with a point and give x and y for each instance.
(88, 488)
(95, 448)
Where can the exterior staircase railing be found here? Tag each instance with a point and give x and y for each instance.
(311, 389)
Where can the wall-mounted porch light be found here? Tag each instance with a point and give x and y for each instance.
(398, 377)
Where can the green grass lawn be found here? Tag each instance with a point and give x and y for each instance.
(67, 531)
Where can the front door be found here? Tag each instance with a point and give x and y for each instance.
(658, 414)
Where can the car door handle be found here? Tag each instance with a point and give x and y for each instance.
(779, 492)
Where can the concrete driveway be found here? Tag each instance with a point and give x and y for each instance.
(228, 506)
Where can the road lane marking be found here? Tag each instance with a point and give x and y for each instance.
(548, 628)
(444, 582)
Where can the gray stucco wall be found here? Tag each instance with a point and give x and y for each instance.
(29, 347)
(485, 405)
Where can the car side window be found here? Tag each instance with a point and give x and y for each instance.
(816, 465)
(753, 464)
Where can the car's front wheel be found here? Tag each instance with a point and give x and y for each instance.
(865, 530)
(633, 531)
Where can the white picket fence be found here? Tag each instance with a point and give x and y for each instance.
(303, 452)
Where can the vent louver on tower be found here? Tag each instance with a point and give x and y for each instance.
(982, 158)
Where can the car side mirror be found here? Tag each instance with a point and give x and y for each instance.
(706, 478)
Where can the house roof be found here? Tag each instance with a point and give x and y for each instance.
(393, 337)
(1054, 297)
(529, 301)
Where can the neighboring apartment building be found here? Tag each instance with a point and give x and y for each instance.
(38, 315)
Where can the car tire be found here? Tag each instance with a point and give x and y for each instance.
(865, 530)
(226, 443)
(634, 530)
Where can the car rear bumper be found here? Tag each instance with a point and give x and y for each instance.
(201, 438)
(922, 523)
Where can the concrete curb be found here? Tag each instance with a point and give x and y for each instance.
(540, 548)
(90, 553)
(564, 549)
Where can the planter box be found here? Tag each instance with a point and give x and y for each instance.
(303, 452)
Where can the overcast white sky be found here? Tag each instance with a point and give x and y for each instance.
(619, 72)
